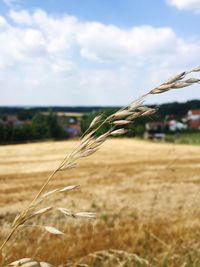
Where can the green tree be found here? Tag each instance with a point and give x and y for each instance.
(54, 129)
(40, 126)
(8, 133)
(137, 128)
(23, 133)
(25, 114)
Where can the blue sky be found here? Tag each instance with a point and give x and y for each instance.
(108, 52)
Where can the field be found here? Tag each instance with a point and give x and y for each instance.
(184, 138)
(146, 196)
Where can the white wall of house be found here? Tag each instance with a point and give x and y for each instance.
(191, 116)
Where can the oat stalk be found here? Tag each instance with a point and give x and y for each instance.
(90, 143)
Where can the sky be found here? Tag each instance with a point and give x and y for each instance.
(95, 52)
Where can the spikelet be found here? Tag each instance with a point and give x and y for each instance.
(121, 122)
(88, 145)
(119, 132)
(28, 262)
(96, 121)
(122, 114)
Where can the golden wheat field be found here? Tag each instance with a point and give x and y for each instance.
(146, 196)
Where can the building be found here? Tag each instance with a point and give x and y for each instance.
(12, 119)
(155, 126)
(195, 124)
(69, 121)
(73, 130)
(193, 114)
(155, 130)
(175, 125)
(193, 119)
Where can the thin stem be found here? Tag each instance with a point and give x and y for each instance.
(28, 208)
(8, 237)
(175, 82)
(44, 186)
(52, 175)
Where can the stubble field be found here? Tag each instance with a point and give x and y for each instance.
(146, 196)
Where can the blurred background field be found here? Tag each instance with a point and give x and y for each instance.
(173, 122)
(146, 196)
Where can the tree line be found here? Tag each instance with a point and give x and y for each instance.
(47, 127)
(42, 127)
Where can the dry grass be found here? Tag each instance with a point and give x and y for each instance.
(146, 196)
(87, 146)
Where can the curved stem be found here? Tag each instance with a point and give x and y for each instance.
(8, 237)
(28, 208)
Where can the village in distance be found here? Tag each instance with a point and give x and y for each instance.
(173, 122)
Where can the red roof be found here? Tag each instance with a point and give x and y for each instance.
(11, 118)
(75, 126)
(195, 111)
(194, 124)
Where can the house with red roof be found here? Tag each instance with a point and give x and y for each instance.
(193, 114)
(193, 119)
(73, 130)
(11, 119)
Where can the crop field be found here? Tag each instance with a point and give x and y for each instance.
(145, 195)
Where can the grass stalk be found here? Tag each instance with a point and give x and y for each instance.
(90, 143)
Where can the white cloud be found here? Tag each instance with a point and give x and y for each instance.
(21, 17)
(186, 4)
(10, 3)
(62, 60)
(109, 43)
(3, 22)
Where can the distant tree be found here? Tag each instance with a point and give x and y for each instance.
(177, 109)
(40, 126)
(25, 114)
(2, 134)
(54, 129)
(8, 133)
(136, 129)
(23, 133)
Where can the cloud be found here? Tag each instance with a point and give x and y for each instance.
(193, 5)
(98, 41)
(11, 3)
(48, 60)
(21, 17)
